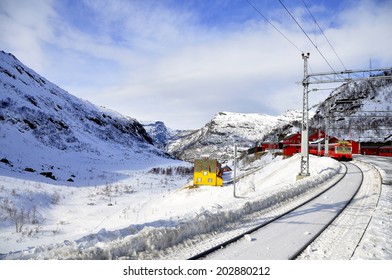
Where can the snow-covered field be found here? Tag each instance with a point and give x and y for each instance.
(142, 215)
(54, 212)
(145, 211)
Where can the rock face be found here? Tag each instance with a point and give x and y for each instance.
(159, 133)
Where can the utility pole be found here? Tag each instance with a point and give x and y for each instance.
(326, 147)
(304, 168)
(318, 143)
(235, 169)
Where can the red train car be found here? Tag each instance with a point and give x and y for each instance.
(385, 151)
(263, 147)
(342, 150)
(317, 150)
(376, 150)
(369, 150)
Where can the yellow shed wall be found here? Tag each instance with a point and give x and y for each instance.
(199, 178)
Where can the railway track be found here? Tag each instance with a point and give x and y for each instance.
(288, 234)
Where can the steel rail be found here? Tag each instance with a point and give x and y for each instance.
(298, 252)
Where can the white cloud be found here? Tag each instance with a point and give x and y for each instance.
(151, 61)
(24, 25)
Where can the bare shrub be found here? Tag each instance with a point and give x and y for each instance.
(32, 215)
(18, 217)
(128, 189)
(55, 197)
(107, 190)
(178, 170)
(21, 216)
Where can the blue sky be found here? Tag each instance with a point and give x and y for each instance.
(183, 61)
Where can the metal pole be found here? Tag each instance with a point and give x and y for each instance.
(305, 123)
(318, 143)
(326, 148)
(235, 169)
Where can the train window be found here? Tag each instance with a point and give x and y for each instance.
(343, 150)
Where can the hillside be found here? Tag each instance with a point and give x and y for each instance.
(361, 111)
(46, 131)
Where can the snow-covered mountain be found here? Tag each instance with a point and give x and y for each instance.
(226, 129)
(41, 123)
(159, 133)
(361, 111)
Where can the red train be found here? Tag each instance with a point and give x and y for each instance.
(376, 150)
(385, 151)
(341, 150)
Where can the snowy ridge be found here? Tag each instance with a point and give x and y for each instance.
(148, 239)
(248, 126)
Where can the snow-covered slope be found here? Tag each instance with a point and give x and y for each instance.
(358, 110)
(288, 123)
(44, 129)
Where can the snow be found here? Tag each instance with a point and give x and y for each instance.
(152, 213)
(376, 243)
(149, 212)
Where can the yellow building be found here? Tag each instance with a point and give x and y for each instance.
(207, 172)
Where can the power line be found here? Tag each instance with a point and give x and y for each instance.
(322, 32)
(277, 29)
(315, 46)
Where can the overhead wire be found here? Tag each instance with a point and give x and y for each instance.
(322, 32)
(277, 29)
(306, 34)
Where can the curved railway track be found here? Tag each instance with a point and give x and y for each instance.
(263, 241)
